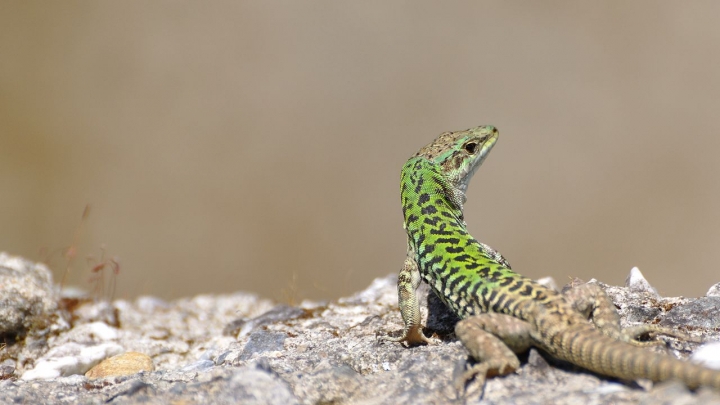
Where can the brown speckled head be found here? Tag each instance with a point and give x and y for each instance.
(460, 153)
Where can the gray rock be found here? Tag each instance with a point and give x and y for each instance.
(261, 342)
(27, 297)
(638, 306)
(7, 369)
(317, 353)
(200, 365)
(699, 313)
(280, 313)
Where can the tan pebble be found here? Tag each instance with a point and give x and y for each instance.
(123, 364)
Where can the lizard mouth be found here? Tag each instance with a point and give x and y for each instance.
(485, 144)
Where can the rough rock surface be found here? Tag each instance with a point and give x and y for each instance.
(26, 295)
(242, 349)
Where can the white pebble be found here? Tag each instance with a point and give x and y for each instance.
(102, 331)
(68, 365)
(708, 355)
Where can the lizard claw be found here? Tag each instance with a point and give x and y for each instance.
(470, 380)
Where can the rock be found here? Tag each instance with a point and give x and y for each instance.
(635, 281)
(714, 291)
(95, 332)
(318, 352)
(27, 297)
(548, 282)
(637, 306)
(7, 368)
(262, 341)
(700, 313)
(71, 358)
(200, 365)
(280, 313)
(708, 355)
(122, 364)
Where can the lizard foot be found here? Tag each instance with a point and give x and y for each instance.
(413, 336)
(632, 335)
(471, 381)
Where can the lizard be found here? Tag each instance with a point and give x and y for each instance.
(503, 313)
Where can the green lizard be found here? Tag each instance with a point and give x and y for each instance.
(502, 312)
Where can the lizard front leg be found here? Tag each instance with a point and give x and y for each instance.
(492, 339)
(408, 282)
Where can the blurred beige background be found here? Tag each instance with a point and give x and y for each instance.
(257, 146)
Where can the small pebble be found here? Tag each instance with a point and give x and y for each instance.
(123, 364)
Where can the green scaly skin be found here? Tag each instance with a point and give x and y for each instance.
(503, 312)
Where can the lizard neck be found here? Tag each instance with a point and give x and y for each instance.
(431, 206)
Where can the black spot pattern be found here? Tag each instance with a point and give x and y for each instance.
(463, 273)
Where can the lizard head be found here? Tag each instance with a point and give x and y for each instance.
(459, 154)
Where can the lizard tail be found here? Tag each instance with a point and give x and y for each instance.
(602, 354)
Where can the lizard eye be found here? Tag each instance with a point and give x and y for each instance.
(471, 147)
